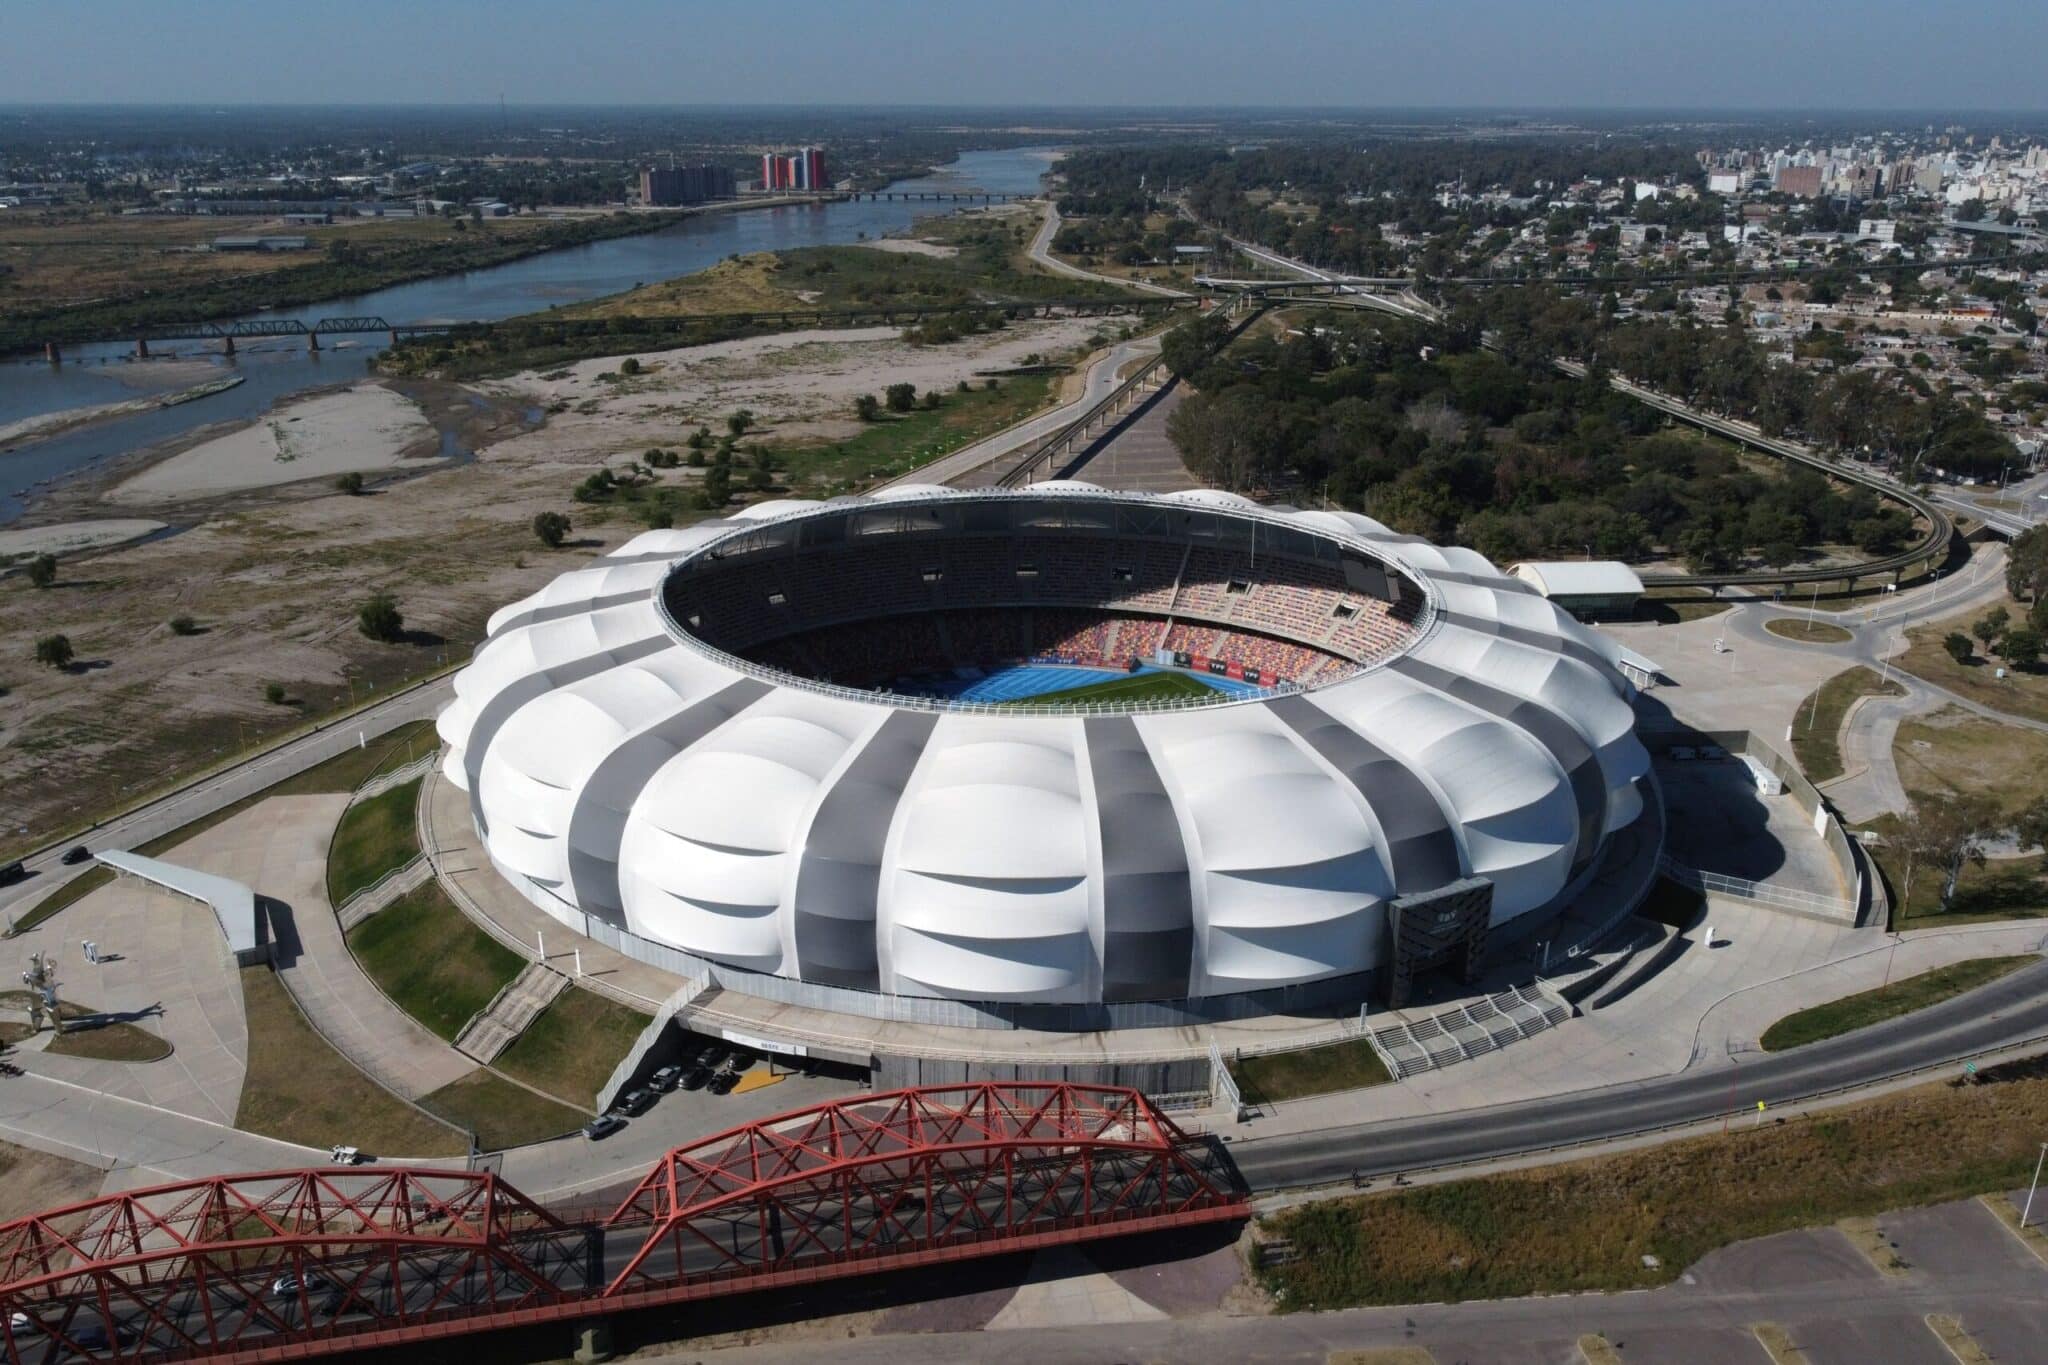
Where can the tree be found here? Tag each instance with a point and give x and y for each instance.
(379, 618)
(350, 483)
(273, 692)
(54, 651)
(1958, 646)
(1185, 347)
(717, 486)
(42, 570)
(738, 423)
(630, 365)
(2022, 647)
(184, 625)
(867, 407)
(931, 399)
(900, 397)
(551, 528)
(699, 439)
(1991, 627)
(1945, 833)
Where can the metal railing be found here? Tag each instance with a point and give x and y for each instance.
(1783, 897)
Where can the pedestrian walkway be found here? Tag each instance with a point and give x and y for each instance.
(491, 1030)
(286, 860)
(465, 872)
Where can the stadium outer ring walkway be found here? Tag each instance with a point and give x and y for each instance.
(288, 1265)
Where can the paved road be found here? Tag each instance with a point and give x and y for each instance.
(1041, 252)
(2011, 1011)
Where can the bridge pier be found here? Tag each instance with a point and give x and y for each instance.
(142, 348)
(52, 354)
(593, 1341)
(227, 345)
(312, 341)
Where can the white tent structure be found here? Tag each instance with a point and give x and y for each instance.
(634, 771)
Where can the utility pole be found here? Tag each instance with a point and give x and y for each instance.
(2028, 1210)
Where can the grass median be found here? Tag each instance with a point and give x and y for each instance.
(1586, 1227)
(500, 1113)
(432, 961)
(1817, 727)
(375, 837)
(1889, 1001)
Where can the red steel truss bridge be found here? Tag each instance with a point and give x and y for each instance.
(286, 1265)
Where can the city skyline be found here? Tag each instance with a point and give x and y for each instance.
(1588, 54)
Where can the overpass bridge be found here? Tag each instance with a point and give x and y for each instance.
(290, 1265)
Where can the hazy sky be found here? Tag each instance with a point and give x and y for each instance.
(1932, 54)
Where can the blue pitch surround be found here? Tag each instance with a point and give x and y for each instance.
(1020, 681)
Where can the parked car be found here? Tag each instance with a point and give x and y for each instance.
(603, 1126)
(75, 855)
(723, 1082)
(697, 1077)
(664, 1080)
(10, 873)
(634, 1103)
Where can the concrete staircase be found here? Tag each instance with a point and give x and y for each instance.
(397, 777)
(382, 892)
(491, 1029)
(1409, 1047)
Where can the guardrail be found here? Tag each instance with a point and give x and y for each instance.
(341, 911)
(1783, 897)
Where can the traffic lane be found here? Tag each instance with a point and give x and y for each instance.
(1895, 1339)
(2011, 1010)
(208, 794)
(1684, 1345)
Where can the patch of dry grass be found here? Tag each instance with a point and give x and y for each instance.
(1586, 1226)
(1817, 725)
(2019, 693)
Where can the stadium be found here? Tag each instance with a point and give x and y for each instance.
(1059, 757)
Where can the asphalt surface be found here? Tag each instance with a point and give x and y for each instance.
(2011, 1011)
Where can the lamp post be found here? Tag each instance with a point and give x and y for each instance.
(2027, 1210)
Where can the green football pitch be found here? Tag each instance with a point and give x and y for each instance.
(1136, 687)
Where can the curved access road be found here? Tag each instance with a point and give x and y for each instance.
(1041, 252)
(2007, 1013)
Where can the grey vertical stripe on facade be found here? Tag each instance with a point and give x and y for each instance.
(840, 875)
(501, 707)
(1548, 728)
(1535, 639)
(581, 608)
(1148, 910)
(1420, 844)
(599, 820)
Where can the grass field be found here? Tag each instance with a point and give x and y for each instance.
(1138, 687)
(1817, 727)
(343, 773)
(301, 1090)
(500, 1113)
(2019, 693)
(1587, 1226)
(1888, 1002)
(374, 837)
(431, 960)
(1807, 632)
(571, 1048)
(1280, 1076)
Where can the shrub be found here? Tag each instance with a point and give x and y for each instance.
(630, 365)
(738, 423)
(380, 619)
(1958, 646)
(900, 397)
(931, 399)
(273, 692)
(350, 483)
(699, 438)
(54, 651)
(184, 625)
(550, 528)
(42, 570)
(989, 383)
(867, 407)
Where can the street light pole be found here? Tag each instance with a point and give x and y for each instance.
(2026, 1211)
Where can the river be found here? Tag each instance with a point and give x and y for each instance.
(277, 369)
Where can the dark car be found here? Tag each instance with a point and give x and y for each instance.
(697, 1077)
(75, 855)
(10, 873)
(634, 1103)
(603, 1126)
(723, 1082)
(665, 1079)
(288, 1285)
